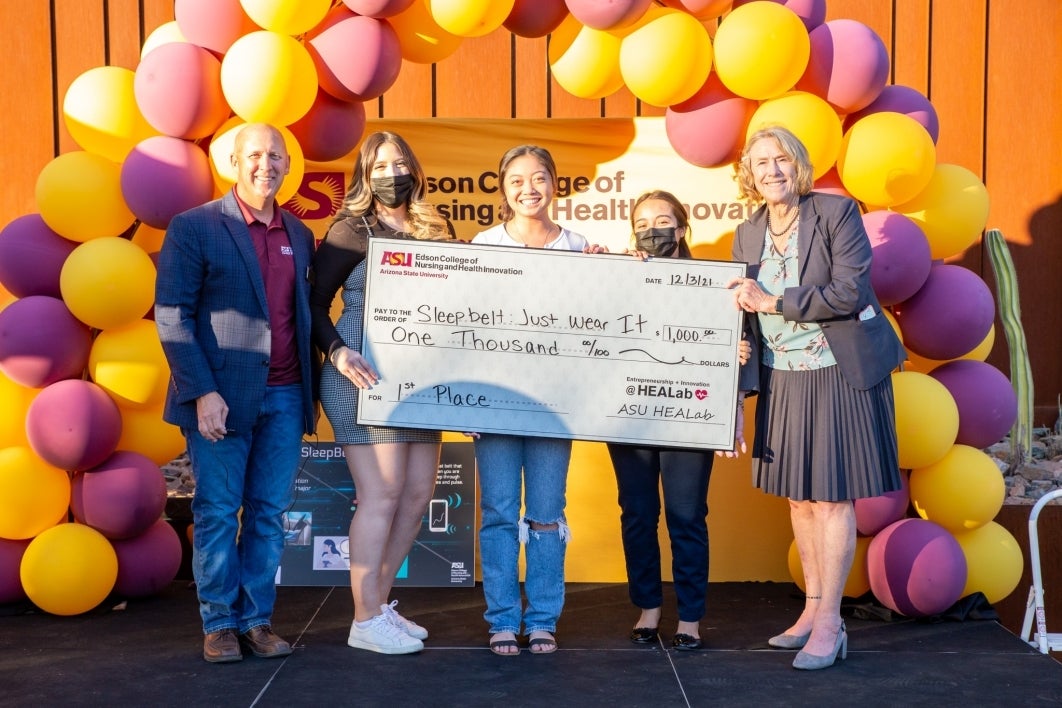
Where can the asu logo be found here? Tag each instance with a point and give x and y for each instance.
(396, 258)
(320, 196)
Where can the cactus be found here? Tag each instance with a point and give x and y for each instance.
(1020, 371)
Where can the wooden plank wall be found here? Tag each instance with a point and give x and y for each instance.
(991, 69)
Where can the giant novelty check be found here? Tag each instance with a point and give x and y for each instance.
(551, 343)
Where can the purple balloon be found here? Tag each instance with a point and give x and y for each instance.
(901, 99)
(607, 14)
(535, 18)
(149, 562)
(121, 497)
(708, 129)
(32, 256)
(73, 425)
(916, 568)
(875, 513)
(163, 176)
(902, 256)
(330, 129)
(41, 342)
(988, 405)
(949, 315)
(177, 87)
(11, 553)
(357, 58)
(848, 66)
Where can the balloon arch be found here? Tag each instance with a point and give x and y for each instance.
(82, 373)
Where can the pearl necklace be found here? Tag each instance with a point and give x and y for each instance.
(786, 228)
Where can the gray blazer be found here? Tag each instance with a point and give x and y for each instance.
(834, 260)
(211, 313)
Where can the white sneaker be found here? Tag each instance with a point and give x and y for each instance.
(408, 626)
(383, 637)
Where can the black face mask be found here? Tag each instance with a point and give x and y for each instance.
(657, 241)
(392, 191)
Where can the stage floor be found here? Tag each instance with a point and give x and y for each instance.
(148, 653)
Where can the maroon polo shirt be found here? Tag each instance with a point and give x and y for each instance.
(276, 260)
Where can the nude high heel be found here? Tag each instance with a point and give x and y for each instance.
(812, 662)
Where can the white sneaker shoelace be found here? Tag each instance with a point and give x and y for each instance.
(408, 626)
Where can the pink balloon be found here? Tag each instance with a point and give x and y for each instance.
(811, 12)
(916, 568)
(163, 176)
(535, 18)
(875, 513)
(949, 315)
(357, 58)
(607, 14)
(11, 553)
(701, 9)
(848, 67)
(121, 497)
(212, 24)
(330, 129)
(901, 99)
(73, 425)
(708, 129)
(830, 183)
(32, 256)
(378, 8)
(178, 90)
(988, 405)
(149, 562)
(901, 256)
(41, 342)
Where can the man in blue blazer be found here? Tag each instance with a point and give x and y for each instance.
(232, 309)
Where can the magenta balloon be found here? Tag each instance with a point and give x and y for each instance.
(607, 14)
(163, 176)
(535, 18)
(177, 87)
(212, 24)
(848, 67)
(378, 8)
(41, 342)
(121, 497)
(708, 129)
(11, 553)
(811, 12)
(875, 513)
(988, 405)
(73, 425)
(830, 183)
(949, 315)
(149, 562)
(32, 256)
(901, 99)
(330, 129)
(701, 9)
(916, 568)
(901, 256)
(357, 58)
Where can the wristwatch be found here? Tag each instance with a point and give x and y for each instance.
(778, 305)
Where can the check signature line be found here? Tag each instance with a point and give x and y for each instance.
(682, 360)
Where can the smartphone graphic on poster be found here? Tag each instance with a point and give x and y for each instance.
(438, 515)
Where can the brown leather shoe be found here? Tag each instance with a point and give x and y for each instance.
(222, 647)
(263, 642)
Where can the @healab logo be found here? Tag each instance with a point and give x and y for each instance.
(319, 196)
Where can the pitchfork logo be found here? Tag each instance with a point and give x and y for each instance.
(320, 195)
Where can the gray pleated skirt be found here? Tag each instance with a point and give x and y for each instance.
(819, 439)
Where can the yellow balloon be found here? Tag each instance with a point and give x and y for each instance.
(470, 18)
(927, 419)
(286, 16)
(811, 119)
(129, 364)
(420, 38)
(761, 50)
(79, 196)
(148, 238)
(165, 33)
(268, 77)
(100, 112)
(666, 58)
(585, 61)
(224, 141)
(886, 158)
(17, 399)
(994, 561)
(69, 569)
(34, 496)
(858, 581)
(962, 491)
(952, 210)
(144, 431)
(108, 282)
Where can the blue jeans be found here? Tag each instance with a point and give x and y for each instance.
(235, 560)
(684, 474)
(540, 466)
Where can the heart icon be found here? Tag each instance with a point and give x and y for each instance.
(701, 394)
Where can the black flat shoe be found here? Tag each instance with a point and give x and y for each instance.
(686, 642)
(643, 635)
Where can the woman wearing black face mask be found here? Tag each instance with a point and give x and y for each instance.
(393, 469)
(660, 224)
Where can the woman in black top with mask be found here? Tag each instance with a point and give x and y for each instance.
(393, 469)
(661, 225)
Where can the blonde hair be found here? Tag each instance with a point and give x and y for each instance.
(793, 149)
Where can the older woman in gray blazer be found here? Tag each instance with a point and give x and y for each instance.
(825, 430)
